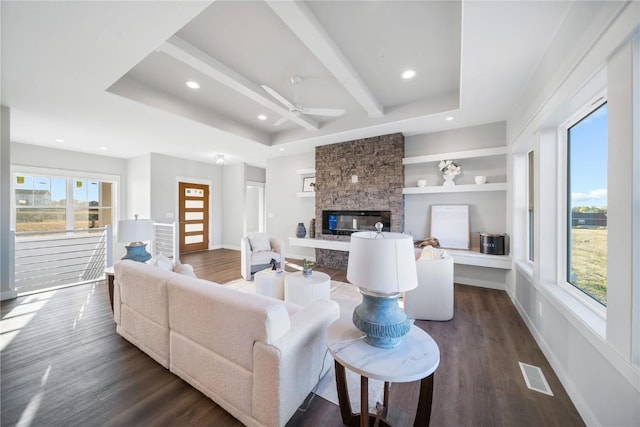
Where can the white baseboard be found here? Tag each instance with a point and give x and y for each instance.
(6, 295)
(479, 283)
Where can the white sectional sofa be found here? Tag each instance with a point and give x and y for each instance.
(255, 356)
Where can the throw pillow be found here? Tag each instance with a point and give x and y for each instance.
(428, 252)
(163, 262)
(260, 242)
(184, 269)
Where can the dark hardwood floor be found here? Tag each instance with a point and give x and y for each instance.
(63, 364)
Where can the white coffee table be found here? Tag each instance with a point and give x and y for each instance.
(302, 290)
(270, 283)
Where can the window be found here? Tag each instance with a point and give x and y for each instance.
(47, 203)
(91, 203)
(587, 147)
(531, 194)
(40, 203)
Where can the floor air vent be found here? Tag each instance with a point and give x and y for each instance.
(535, 379)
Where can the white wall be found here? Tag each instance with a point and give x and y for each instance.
(6, 240)
(284, 209)
(233, 201)
(166, 172)
(592, 355)
(138, 185)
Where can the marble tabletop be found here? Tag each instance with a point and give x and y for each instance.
(416, 357)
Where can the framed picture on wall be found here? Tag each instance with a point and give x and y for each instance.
(309, 183)
(450, 225)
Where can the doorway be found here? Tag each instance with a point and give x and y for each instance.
(254, 208)
(193, 212)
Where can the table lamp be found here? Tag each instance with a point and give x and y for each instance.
(381, 265)
(135, 231)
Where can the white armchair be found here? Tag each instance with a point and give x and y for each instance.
(433, 298)
(257, 251)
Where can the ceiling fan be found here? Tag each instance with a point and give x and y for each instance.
(296, 109)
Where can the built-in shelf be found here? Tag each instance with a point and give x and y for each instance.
(457, 155)
(474, 257)
(308, 171)
(306, 194)
(462, 257)
(319, 244)
(465, 188)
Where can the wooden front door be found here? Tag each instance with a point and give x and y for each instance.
(194, 217)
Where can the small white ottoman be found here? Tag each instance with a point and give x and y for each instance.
(270, 283)
(303, 290)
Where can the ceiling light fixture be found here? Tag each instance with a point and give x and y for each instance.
(192, 84)
(449, 118)
(220, 159)
(262, 117)
(59, 140)
(281, 148)
(408, 74)
(103, 148)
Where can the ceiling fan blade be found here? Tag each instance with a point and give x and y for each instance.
(281, 120)
(334, 112)
(279, 97)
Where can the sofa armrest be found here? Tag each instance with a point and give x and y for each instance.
(245, 258)
(286, 371)
(277, 246)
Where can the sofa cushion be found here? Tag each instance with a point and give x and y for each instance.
(144, 290)
(259, 258)
(161, 261)
(260, 242)
(184, 269)
(224, 320)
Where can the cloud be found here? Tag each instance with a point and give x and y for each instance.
(599, 193)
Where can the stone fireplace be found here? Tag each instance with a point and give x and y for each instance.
(362, 175)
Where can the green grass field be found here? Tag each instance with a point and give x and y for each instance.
(589, 261)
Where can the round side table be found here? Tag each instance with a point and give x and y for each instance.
(416, 358)
(302, 290)
(270, 283)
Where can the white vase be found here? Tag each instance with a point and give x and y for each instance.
(448, 180)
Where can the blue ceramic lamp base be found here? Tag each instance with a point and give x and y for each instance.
(137, 252)
(381, 319)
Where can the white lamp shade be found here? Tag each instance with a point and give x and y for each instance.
(135, 230)
(382, 262)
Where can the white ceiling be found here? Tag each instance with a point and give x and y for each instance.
(112, 74)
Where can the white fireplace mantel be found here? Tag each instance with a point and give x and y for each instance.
(319, 244)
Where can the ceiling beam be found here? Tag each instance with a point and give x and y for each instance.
(198, 60)
(306, 26)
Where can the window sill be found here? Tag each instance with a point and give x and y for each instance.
(583, 317)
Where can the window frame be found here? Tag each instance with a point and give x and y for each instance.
(69, 176)
(531, 211)
(563, 204)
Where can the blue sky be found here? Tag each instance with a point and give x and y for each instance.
(588, 153)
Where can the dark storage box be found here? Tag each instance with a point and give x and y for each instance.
(492, 244)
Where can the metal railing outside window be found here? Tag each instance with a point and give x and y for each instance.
(53, 259)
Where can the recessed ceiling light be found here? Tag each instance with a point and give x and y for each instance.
(449, 118)
(59, 140)
(281, 148)
(408, 74)
(193, 85)
(262, 117)
(103, 148)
